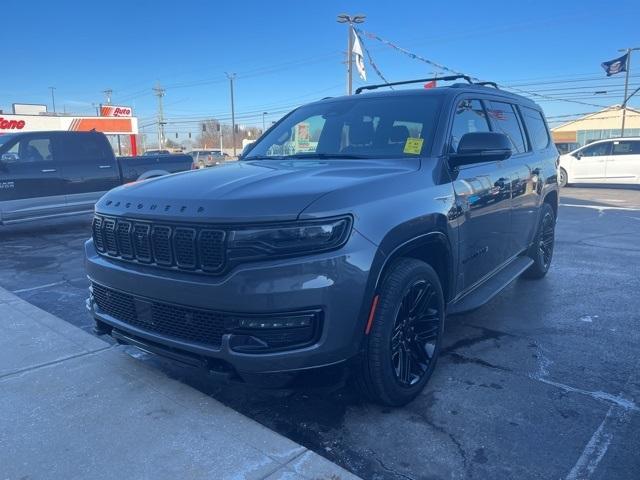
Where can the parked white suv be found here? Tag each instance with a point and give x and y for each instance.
(615, 160)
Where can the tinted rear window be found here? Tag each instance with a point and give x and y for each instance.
(536, 127)
(504, 119)
(88, 148)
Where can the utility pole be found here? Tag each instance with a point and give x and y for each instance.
(231, 77)
(107, 95)
(263, 126)
(350, 20)
(53, 99)
(159, 92)
(626, 85)
(220, 130)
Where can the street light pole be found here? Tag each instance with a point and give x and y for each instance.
(626, 85)
(53, 99)
(350, 20)
(231, 77)
(263, 124)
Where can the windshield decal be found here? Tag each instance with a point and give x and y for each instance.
(413, 146)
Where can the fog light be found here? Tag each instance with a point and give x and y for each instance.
(288, 321)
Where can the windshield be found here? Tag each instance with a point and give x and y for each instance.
(359, 127)
(6, 138)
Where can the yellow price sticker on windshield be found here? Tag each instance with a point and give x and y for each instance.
(413, 145)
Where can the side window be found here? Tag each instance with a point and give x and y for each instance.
(505, 120)
(536, 127)
(28, 150)
(469, 117)
(626, 148)
(85, 148)
(596, 150)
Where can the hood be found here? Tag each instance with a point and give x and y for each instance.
(260, 190)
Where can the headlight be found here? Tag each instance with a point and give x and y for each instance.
(276, 241)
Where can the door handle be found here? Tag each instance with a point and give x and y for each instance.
(104, 166)
(48, 170)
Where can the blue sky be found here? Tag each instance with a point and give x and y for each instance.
(290, 52)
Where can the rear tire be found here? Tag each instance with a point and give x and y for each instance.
(562, 178)
(541, 251)
(402, 348)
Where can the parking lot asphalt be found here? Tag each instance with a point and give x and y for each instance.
(542, 382)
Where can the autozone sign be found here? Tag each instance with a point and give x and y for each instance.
(115, 111)
(114, 125)
(6, 124)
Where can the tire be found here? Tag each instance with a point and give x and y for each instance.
(409, 315)
(541, 251)
(562, 178)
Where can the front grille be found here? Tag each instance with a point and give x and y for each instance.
(192, 248)
(118, 305)
(184, 323)
(205, 327)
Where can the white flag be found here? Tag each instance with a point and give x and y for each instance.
(357, 51)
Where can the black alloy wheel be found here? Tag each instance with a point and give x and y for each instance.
(401, 349)
(547, 239)
(541, 251)
(416, 333)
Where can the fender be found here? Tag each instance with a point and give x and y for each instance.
(435, 236)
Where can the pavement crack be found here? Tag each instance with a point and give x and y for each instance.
(392, 471)
(33, 368)
(458, 358)
(486, 334)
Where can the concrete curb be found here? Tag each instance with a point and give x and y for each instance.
(75, 407)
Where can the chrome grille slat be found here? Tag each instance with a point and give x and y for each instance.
(184, 247)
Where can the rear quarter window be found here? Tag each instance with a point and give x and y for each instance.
(85, 148)
(536, 127)
(504, 119)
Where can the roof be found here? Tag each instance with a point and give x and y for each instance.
(451, 90)
(609, 117)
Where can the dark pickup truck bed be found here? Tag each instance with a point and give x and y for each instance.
(53, 174)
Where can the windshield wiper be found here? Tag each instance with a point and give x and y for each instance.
(311, 155)
(323, 156)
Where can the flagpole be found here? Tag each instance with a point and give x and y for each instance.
(350, 20)
(626, 86)
(350, 60)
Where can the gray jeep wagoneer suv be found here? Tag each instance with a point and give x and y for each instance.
(347, 232)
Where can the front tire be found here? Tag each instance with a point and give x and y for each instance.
(403, 345)
(563, 179)
(541, 251)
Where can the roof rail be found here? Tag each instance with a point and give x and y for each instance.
(493, 84)
(405, 82)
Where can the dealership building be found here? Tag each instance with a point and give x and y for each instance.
(606, 123)
(116, 122)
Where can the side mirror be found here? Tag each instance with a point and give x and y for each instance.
(478, 147)
(578, 155)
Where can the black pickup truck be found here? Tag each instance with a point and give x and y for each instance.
(54, 174)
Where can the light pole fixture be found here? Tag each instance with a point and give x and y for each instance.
(263, 126)
(350, 20)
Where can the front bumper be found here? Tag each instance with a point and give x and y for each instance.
(336, 284)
